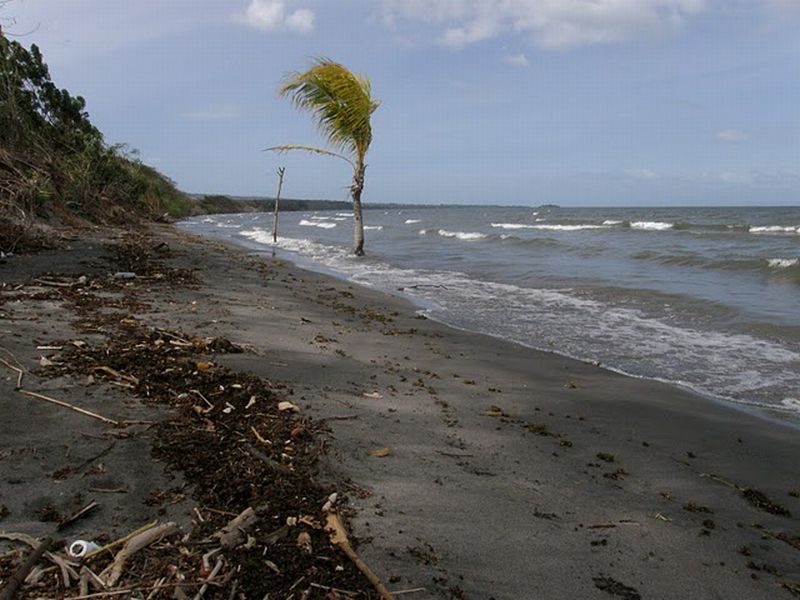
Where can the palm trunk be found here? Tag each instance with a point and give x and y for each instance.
(358, 219)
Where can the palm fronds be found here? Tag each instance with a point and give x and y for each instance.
(340, 101)
(312, 149)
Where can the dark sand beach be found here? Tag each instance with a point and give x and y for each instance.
(475, 468)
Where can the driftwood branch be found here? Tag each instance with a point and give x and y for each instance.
(234, 533)
(339, 538)
(13, 583)
(114, 571)
(77, 409)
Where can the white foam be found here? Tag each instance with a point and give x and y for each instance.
(344, 214)
(512, 226)
(320, 218)
(652, 225)
(423, 232)
(412, 221)
(374, 227)
(775, 229)
(611, 222)
(320, 224)
(462, 235)
(782, 263)
(792, 404)
(568, 227)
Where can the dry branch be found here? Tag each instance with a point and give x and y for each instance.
(82, 411)
(114, 571)
(13, 583)
(339, 538)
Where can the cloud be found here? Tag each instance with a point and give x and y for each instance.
(641, 173)
(517, 60)
(215, 112)
(272, 15)
(733, 136)
(552, 24)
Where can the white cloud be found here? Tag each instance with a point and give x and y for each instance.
(641, 173)
(214, 112)
(272, 15)
(732, 135)
(517, 60)
(553, 24)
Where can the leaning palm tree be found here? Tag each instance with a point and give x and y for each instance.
(342, 104)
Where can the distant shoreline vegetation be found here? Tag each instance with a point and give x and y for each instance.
(201, 204)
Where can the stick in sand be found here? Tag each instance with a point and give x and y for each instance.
(338, 535)
(281, 171)
(83, 411)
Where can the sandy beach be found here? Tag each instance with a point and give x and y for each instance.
(475, 468)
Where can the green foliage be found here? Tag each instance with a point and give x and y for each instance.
(54, 161)
(340, 101)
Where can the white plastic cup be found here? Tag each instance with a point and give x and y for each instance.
(80, 548)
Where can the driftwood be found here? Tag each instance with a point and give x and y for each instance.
(339, 538)
(233, 533)
(13, 583)
(77, 515)
(114, 571)
(281, 171)
(18, 370)
(82, 411)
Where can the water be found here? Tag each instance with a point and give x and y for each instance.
(706, 298)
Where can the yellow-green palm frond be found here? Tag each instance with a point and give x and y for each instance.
(310, 149)
(340, 101)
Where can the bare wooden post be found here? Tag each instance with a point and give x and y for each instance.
(281, 171)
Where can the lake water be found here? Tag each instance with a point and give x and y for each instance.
(706, 298)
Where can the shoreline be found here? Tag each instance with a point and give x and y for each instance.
(786, 417)
(476, 467)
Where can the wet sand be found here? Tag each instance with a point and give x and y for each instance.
(503, 472)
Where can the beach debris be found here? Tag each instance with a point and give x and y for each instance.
(286, 405)
(18, 370)
(380, 452)
(10, 589)
(606, 456)
(615, 588)
(304, 542)
(696, 508)
(792, 587)
(661, 517)
(762, 502)
(338, 537)
(794, 492)
(80, 548)
(124, 275)
(114, 571)
(45, 362)
(373, 395)
(235, 532)
(250, 403)
(82, 411)
(77, 515)
(330, 502)
(493, 411)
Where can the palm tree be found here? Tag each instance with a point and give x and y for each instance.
(342, 104)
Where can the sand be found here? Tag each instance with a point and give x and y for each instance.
(511, 473)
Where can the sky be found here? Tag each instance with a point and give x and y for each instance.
(525, 102)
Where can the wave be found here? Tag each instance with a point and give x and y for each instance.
(343, 214)
(412, 221)
(782, 263)
(652, 225)
(373, 227)
(512, 226)
(611, 222)
(774, 229)
(462, 235)
(320, 224)
(320, 217)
